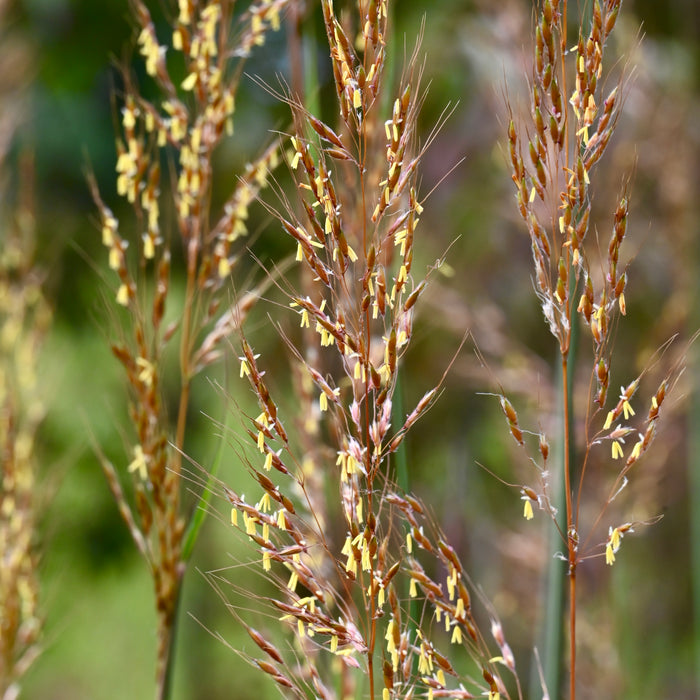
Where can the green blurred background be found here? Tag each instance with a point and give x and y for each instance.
(636, 621)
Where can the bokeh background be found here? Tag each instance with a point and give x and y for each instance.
(58, 61)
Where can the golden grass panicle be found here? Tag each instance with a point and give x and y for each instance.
(176, 132)
(373, 595)
(25, 317)
(553, 153)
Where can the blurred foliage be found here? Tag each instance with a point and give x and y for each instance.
(96, 595)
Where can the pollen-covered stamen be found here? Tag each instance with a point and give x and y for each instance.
(617, 437)
(623, 405)
(139, 463)
(612, 546)
(529, 496)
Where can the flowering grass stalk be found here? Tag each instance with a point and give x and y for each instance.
(375, 599)
(176, 132)
(553, 154)
(25, 318)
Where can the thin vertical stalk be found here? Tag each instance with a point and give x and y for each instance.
(556, 574)
(368, 403)
(694, 496)
(168, 618)
(297, 67)
(694, 463)
(572, 632)
(571, 534)
(568, 371)
(403, 482)
(570, 525)
(166, 650)
(397, 418)
(552, 646)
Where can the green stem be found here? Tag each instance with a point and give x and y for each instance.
(173, 542)
(200, 511)
(397, 419)
(552, 656)
(164, 691)
(557, 574)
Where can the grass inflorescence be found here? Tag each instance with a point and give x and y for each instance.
(25, 319)
(177, 132)
(366, 593)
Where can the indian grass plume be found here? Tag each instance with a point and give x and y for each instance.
(177, 132)
(25, 318)
(372, 597)
(553, 153)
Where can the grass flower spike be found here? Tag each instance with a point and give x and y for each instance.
(371, 592)
(554, 152)
(178, 132)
